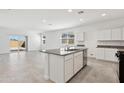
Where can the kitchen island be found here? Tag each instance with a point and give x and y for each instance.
(61, 65)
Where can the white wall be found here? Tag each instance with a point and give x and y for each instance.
(90, 30)
(34, 41)
(53, 37)
(4, 42)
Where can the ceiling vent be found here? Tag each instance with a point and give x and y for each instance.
(80, 12)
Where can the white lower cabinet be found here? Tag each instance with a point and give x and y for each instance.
(110, 54)
(106, 54)
(63, 68)
(68, 67)
(78, 61)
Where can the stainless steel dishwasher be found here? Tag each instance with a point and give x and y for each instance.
(85, 57)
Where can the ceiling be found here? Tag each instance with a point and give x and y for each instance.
(53, 19)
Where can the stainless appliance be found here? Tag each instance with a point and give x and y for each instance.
(84, 53)
(85, 57)
(120, 55)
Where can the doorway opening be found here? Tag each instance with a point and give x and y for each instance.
(18, 43)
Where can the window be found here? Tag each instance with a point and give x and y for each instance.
(17, 42)
(68, 38)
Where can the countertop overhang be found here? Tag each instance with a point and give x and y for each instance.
(61, 52)
(110, 46)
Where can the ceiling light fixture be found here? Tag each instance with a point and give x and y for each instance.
(69, 10)
(104, 14)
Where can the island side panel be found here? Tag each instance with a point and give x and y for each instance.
(56, 65)
(68, 61)
(46, 65)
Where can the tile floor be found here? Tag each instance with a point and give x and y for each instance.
(28, 67)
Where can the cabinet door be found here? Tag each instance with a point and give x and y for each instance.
(100, 53)
(116, 34)
(56, 68)
(100, 35)
(107, 34)
(110, 54)
(68, 68)
(80, 36)
(78, 61)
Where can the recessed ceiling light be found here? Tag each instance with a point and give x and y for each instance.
(44, 20)
(104, 14)
(81, 19)
(69, 10)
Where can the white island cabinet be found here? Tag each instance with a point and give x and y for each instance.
(68, 67)
(62, 67)
(78, 61)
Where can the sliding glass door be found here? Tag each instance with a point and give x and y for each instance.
(17, 42)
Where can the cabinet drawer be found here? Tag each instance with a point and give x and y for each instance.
(69, 57)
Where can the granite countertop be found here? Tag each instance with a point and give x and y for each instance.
(110, 46)
(61, 52)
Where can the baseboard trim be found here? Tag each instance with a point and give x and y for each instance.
(102, 60)
(107, 61)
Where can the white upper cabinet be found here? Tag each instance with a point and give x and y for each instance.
(104, 35)
(107, 34)
(123, 34)
(80, 36)
(117, 34)
(100, 35)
